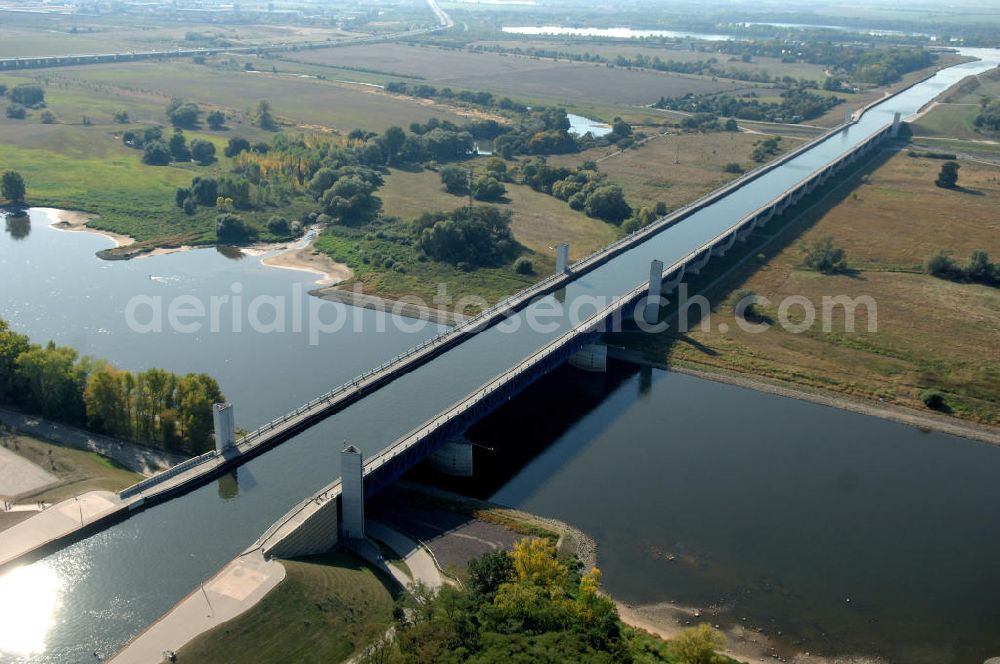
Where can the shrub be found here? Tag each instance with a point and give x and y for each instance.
(203, 151)
(156, 153)
(524, 266)
(183, 113)
(278, 226)
(948, 177)
(940, 264)
(608, 203)
(488, 188)
(934, 400)
(697, 645)
(732, 167)
(455, 180)
(824, 257)
(215, 119)
(27, 94)
(120, 117)
(230, 228)
(236, 145)
(16, 111)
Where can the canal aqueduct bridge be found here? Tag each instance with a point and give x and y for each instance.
(494, 368)
(312, 526)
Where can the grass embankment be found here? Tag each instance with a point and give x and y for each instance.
(949, 126)
(327, 608)
(78, 471)
(930, 333)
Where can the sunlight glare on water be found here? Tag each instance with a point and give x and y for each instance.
(29, 597)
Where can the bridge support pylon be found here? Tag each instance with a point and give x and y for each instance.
(651, 312)
(224, 421)
(562, 258)
(592, 357)
(453, 458)
(896, 120)
(352, 496)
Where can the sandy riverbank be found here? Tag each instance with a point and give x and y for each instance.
(303, 257)
(298, 255)
(666, 620)
(75, 221)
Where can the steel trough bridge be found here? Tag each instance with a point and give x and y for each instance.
(311, 526)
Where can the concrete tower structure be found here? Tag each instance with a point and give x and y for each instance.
(352, 496)
(562, 258)
(224, 420)
(651, 312)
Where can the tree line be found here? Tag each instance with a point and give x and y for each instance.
(796, 105)
(21, 98)
(978, 269)
(154, 407)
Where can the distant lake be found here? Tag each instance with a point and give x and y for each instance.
(865, 31)
(616, 33)
(579, 125)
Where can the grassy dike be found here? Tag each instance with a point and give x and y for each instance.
(931, 333)
(327, 608)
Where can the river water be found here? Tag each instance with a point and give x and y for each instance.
(841, 532)
(106, 588)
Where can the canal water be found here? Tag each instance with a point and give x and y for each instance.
(104, 589)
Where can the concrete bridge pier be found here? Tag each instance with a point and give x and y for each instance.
(453, 458)
(674, 280)
(695, 266)
(651, 312)
(352, 497)
(592, 357)
(724, 245)
(896, 120)
(743, 233)
(224, 421)
(562, 258)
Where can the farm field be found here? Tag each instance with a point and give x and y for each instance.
(61, 35)
(611, 49)
(520, 77)
(648, 173)
(888, 223)
(321, 104)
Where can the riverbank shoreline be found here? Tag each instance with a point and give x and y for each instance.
(244, 582)
(75, 221)
(293, 255)
(304, 258)
(895, 413)
(401, 307)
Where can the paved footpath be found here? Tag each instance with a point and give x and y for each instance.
(55, 522)
(139, 459)
(243, 583)
(235, 589)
